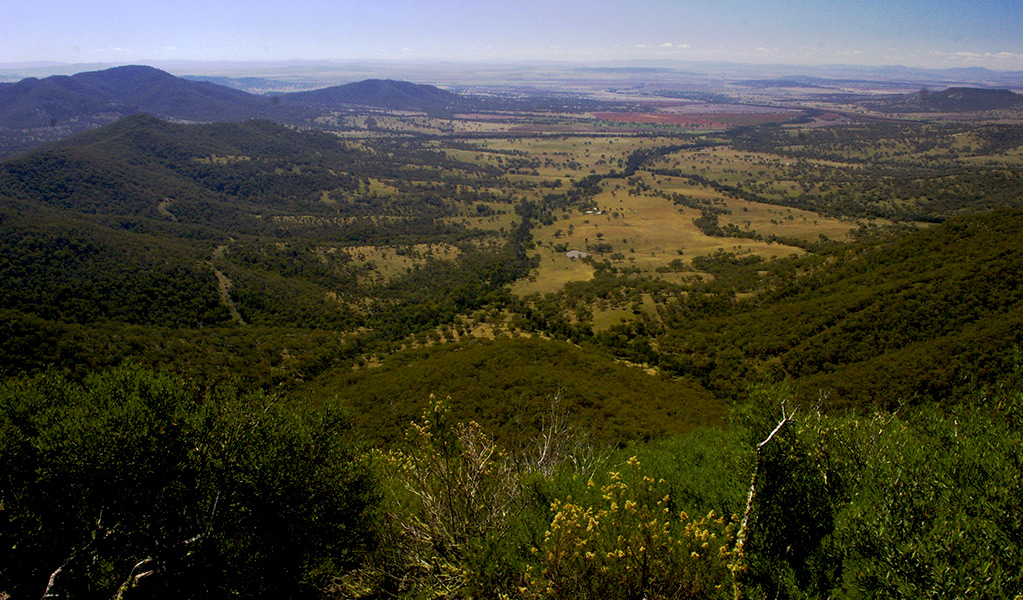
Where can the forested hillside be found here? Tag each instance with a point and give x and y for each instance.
(953, 100)
(39, 110)
(283, 219)
(382, 93)
(255, 227)
(882, 321)
(33, 111)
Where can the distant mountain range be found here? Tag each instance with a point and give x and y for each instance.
(380, 93)
(39, 110)
(952, 100)
(288, 75)
(33, 111)
(114, 93)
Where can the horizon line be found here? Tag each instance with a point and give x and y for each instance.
(633, 62)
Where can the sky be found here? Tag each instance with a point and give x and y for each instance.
(916, 33)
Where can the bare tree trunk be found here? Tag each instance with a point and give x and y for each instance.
(134, 578)
(150, 566)
(739, 565)
(50, 592)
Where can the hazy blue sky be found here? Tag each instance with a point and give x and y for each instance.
(928, 33)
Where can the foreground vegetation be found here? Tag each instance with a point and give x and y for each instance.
(135, 484)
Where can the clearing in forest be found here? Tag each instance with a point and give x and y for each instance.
(645, 232)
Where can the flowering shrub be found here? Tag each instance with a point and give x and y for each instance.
(631, 543)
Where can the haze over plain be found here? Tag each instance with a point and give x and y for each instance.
(914, 33)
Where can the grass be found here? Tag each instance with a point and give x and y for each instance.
(768, 219)
(605, 318)
(380, 188)
(646, 232)
(726, 165)
(575, 156)
(554, 272)
(390, 264)
(496, 222)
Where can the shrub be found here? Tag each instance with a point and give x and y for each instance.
(449, 498)
(135, 483)
(630, 543)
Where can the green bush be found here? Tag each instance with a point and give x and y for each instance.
(918, 505)
(937, 513)
(133, 483)
(630, 543)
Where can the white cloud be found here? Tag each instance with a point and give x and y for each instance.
(665, 46)
(976, 55)
(1003, 54)
(1002, 59)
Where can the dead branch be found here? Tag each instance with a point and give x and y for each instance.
(739, 553)
(134, 578)
(49, 592)
(149, 566)
(558, 443)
